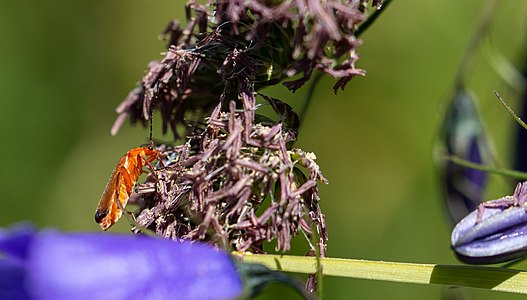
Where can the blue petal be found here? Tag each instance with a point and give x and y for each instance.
(12, 272)
(15, 241)
(505, 246)
(100, 266)
(493, 220)
(500, 236)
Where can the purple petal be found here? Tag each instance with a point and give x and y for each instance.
(493, 220)
(99, 266)
(12, 272)
(500, 236)
(52, 265)
(502, 247)
(15, 241)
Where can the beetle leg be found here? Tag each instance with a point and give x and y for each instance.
(152, 170)
(159, 160)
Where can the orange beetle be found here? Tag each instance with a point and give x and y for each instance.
(121, 183)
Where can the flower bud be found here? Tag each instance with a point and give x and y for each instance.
(495, 232)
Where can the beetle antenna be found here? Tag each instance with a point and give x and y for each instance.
(150, 137)
(152, 104)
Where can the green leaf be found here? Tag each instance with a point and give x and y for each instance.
(490, 278)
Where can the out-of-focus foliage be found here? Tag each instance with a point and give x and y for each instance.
(66, 65)
(462, 136)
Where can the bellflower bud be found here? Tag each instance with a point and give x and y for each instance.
(496, 232)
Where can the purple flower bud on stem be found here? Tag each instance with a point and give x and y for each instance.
(496, 232)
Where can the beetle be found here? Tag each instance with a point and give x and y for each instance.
(121, 184)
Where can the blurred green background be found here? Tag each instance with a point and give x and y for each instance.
(66, 65)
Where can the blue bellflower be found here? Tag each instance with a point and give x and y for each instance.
(53, 265)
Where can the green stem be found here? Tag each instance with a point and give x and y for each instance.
(488, 169)
(513, 114)
(309, 96)
(372, 18)
(490, 278)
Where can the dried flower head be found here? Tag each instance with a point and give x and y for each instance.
(237, 182)
(277, 40)
(235, 186)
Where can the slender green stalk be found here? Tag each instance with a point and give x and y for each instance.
(372, 18)
(513, 114)
(309, 96)
(488, 169)
(320, 275)
(490, 278)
